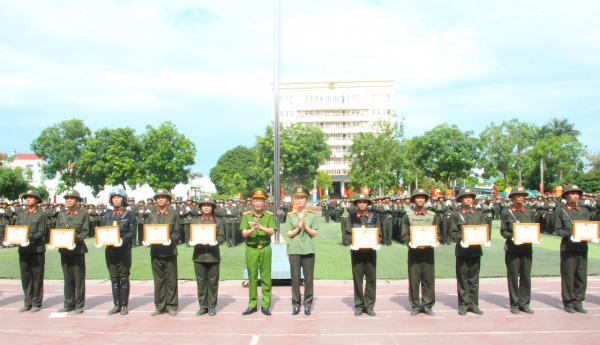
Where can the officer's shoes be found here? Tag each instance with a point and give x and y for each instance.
(514, 310)
(34, 310)
(358, 312)
(415, 312)
(570, 310)
(526, 310)
(212, 312)
(476, 311)
(307, 311)
(79, 311)
(428, 311)
(249, 311)
(202, 311)
(157, 312)
(462, 312)
(370, 312)
(124, 310)
(24, 309)
(295, 311)
(172, 312)
(114, 310)
(580, 310)
(265, 311)
(64, 310)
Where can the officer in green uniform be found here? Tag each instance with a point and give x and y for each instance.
(257, 227)
(468, 257)
(518, 256)
(345, 209)
(118, 256)
(230, 212)
(364, 260)
(421, 260)
(72, 259)
(573, 252)
(32, 254)
(164, 256)
(387, 221)
(5, 216)
(301, 226)
(207, 259)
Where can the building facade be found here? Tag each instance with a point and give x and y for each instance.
(342, 109)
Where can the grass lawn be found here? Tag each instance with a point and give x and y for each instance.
(332, 260)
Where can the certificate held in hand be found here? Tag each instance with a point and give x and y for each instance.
(526, 232)
(203, 234)
(16, 234)
(62, 238)
(424, 236)
(585, 230)
(475, 234)
(156, 233)
(365, 238)
(108, 235)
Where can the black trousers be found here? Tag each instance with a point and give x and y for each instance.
(306, 263)
(207, 280)
(421, 277)
(364, 265)
(164, 270)
(118, 260)
(573, 276)
(467, 280)
(518, 272)
(32, 278)
(73, 267)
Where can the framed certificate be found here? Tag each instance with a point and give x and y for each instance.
(526, 232)
(365, 238)
(475, 234)
(584, 230)
(62, 238)
(424, 236)
(203, 233)
(16, 234)
(156, 233)
(108, 235)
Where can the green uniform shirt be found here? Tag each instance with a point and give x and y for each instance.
(78, 220)
(170, 217)
(206, 253)
(563, 227)
(37, 221)
(258, 237)
(510, 216)
(459, 218)
(302, 243)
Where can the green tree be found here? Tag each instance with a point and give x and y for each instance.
(233, 184)
(303, 149)
(446, 153)
(376, 158)
(166, 154)
(562, 156)
(60, 146)
(594, 163)
(558, 127)
(112, 157)
(42, 190)
(13, 182)
(324, 180)
(239, 160)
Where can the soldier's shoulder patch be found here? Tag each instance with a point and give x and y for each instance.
(247, 212)
(268, 212)
(311, 211)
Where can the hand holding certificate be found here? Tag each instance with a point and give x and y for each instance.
(62, 238)
(108, 236)
(423, 236)
(365, 238)
(203, 234)
(156, 233)
(585, 230)
(475, 234)
(16, 234)
(526, 232)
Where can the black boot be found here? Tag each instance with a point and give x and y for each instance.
(124, 294)
(116, 291)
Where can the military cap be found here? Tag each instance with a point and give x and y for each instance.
(518, 190)
(466, 191)
(229, 199)
(417, 192)
(259, 193)
(345, 196)
(361, 196)
(571, 188)
(162, 192)
(73, 193)
(3, 201)
(300, 191)
(131, 199)
(207, 200)
(141, 201)
(32, 192)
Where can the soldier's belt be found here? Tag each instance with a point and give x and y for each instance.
(259, 246)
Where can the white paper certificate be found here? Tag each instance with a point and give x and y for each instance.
(423, 236)
(62, 238)
(526, 232)
(108, 235)
(203, 233)
(156, 233)
(365, 238)
(475, 234)
(16, 234)
(585, 230)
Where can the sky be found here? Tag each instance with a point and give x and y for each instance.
(207, 66)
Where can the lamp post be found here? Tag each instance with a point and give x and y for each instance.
(276, 124)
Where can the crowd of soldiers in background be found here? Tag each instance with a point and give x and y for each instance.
(228, 213)
(391, 210)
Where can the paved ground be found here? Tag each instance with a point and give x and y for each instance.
(332, 322)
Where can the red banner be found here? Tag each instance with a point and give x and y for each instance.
(541, 189)
(282, 193)
(495, 191)
(320, 192)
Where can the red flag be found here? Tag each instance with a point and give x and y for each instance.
(541, 189)
(320, 192)
(495, 191)
(188, 193)
(433, 191)
(282, 193)
(350, 192)
(55, 198)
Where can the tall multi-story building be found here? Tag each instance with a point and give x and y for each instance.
(342, 109)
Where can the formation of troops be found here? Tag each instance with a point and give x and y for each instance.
(253, 224)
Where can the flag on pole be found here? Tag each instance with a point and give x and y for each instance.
(495, 191)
